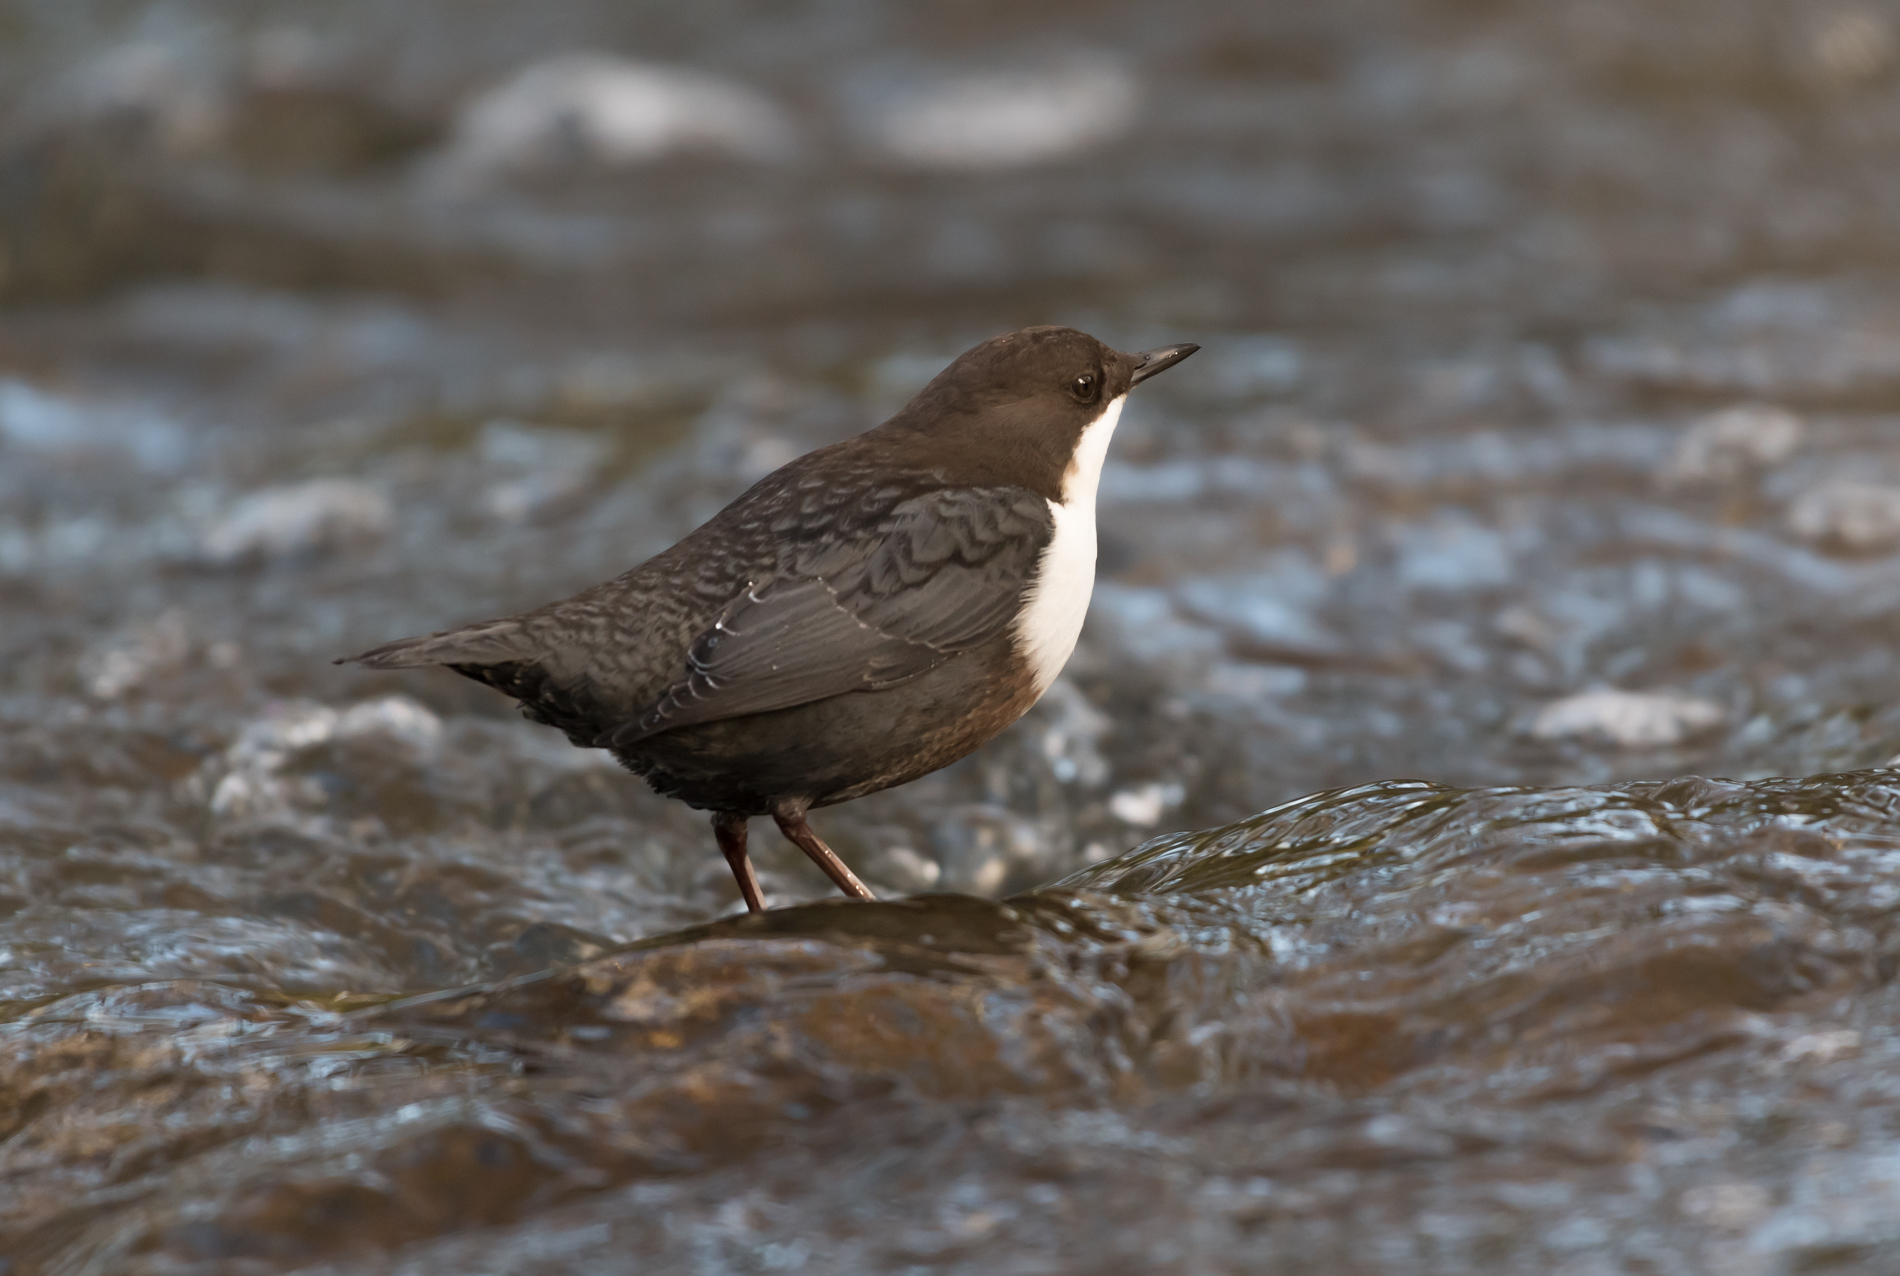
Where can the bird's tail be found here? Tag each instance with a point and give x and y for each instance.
(489, 643)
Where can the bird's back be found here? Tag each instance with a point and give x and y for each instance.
(591, 662)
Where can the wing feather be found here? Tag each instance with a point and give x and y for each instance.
(943, 573)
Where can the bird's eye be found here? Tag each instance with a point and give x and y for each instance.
(1083, 387)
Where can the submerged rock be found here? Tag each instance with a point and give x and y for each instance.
(1450, 997)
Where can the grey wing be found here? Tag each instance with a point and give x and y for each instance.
(942, 574)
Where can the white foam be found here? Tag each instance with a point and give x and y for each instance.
(320, 515)
(1730, 445)
(1631, 719)
(614, 112)
(1002, 120)
(1860, 516)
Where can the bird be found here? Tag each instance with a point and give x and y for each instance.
(870, 612)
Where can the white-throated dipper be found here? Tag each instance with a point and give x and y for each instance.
(872, 611)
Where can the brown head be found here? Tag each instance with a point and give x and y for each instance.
(1014, 410)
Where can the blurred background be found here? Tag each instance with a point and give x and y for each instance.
(1540, 431)
(1543, 430)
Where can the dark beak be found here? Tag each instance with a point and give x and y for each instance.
(1149, 362)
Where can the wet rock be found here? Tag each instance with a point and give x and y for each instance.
(544, 944)
(593, 109)
(1855, 516)
(319, 106)
(1258, 1018)
(1627, 719)
(319, 516)
(999, 120)
(1735, 443)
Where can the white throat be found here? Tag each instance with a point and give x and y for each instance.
(1051, 618)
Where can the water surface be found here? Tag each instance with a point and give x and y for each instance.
(1539, 454)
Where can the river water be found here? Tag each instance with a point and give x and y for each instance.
(1354, 902)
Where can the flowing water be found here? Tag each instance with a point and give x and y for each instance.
(1543, 456)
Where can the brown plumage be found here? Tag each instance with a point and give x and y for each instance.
(851, 622)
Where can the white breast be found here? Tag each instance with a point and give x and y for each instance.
(1051, 618)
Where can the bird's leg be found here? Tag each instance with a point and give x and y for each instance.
(730, 830)
(791, 822)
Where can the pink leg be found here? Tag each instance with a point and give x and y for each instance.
(791, 822)
(730, 830)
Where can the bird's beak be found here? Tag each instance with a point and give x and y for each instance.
(1149, 362)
